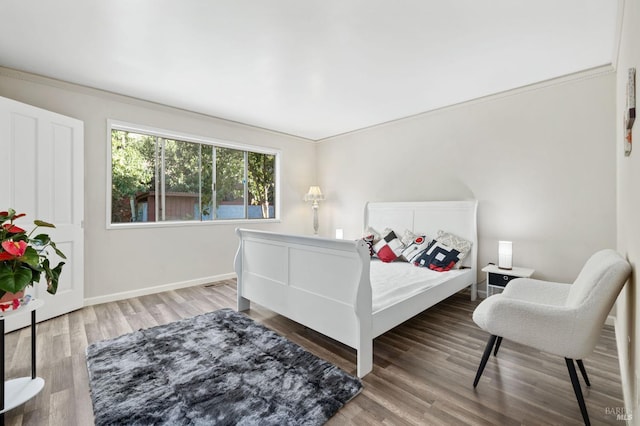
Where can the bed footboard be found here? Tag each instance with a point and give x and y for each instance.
(320, 283)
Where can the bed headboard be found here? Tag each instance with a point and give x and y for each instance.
(456, 217)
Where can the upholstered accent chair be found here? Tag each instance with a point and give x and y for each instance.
(558, 318)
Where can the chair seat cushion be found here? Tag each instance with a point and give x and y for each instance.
(537, 291)
(546, 327)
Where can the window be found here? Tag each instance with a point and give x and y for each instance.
(160, 177)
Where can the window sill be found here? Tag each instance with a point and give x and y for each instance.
(175, 224)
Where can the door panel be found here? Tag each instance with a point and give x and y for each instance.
(45, 173)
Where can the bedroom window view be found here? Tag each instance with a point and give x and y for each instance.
(157, 179)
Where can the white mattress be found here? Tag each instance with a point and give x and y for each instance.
(395, 281)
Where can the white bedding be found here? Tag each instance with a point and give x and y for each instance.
(396, 281)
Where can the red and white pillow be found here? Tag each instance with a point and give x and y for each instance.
(390, 247)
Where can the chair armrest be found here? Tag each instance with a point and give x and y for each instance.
(537, 291)
(549, 328)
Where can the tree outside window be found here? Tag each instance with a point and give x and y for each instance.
(158, 179)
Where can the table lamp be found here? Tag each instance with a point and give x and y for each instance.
(505, 252)
(314, 195)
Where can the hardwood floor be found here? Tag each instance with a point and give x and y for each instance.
(423, 369)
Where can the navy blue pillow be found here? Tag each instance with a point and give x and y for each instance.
(438, 257)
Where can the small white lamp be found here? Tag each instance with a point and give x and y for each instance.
(314, 195)
(505, 253)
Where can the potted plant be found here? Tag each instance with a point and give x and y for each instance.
(24, 259)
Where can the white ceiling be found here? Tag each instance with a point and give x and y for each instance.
(312, 68)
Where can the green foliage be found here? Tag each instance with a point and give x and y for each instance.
(54, 273)
(182, 166)
(13, 280)
(261, 180)
(188, 169)
(229, 175)
(132, 163)
(132, 168)
(23, 259)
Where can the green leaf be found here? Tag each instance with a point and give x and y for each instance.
(14, 281)
(35, 275)
(43, 223)
(58, 252)
(41, 239)
(30, 257)
(53, 276)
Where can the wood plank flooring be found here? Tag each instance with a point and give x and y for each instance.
(423, 369)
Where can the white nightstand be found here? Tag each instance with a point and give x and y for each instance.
(498, 278)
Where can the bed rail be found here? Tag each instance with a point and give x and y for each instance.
(319, 282)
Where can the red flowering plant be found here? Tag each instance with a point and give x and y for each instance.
(23, 258)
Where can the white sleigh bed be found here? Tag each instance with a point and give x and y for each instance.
(326, 284)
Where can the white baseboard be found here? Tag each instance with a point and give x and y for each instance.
(157, 289)
(628, 378)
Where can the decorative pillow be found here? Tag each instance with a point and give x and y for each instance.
(389, 247)
(438, 257)
(370, 237)
(407, 237)
(415, 247)
(460, 244)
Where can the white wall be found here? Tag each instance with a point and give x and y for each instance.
(118, 261)
(627, 332)
(541, 162)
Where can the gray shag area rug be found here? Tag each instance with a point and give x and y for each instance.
(220, 368)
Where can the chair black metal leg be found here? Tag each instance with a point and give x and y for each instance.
(578, 391)
(485, 357)
(583, 371)
(495, 351)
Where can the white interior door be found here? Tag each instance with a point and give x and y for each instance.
(42, 170)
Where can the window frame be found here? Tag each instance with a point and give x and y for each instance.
(186, 137)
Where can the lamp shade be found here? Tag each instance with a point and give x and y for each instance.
(505, 254)
(314, 194)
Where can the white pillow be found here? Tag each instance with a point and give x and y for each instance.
(460, 244)
(415, 247)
